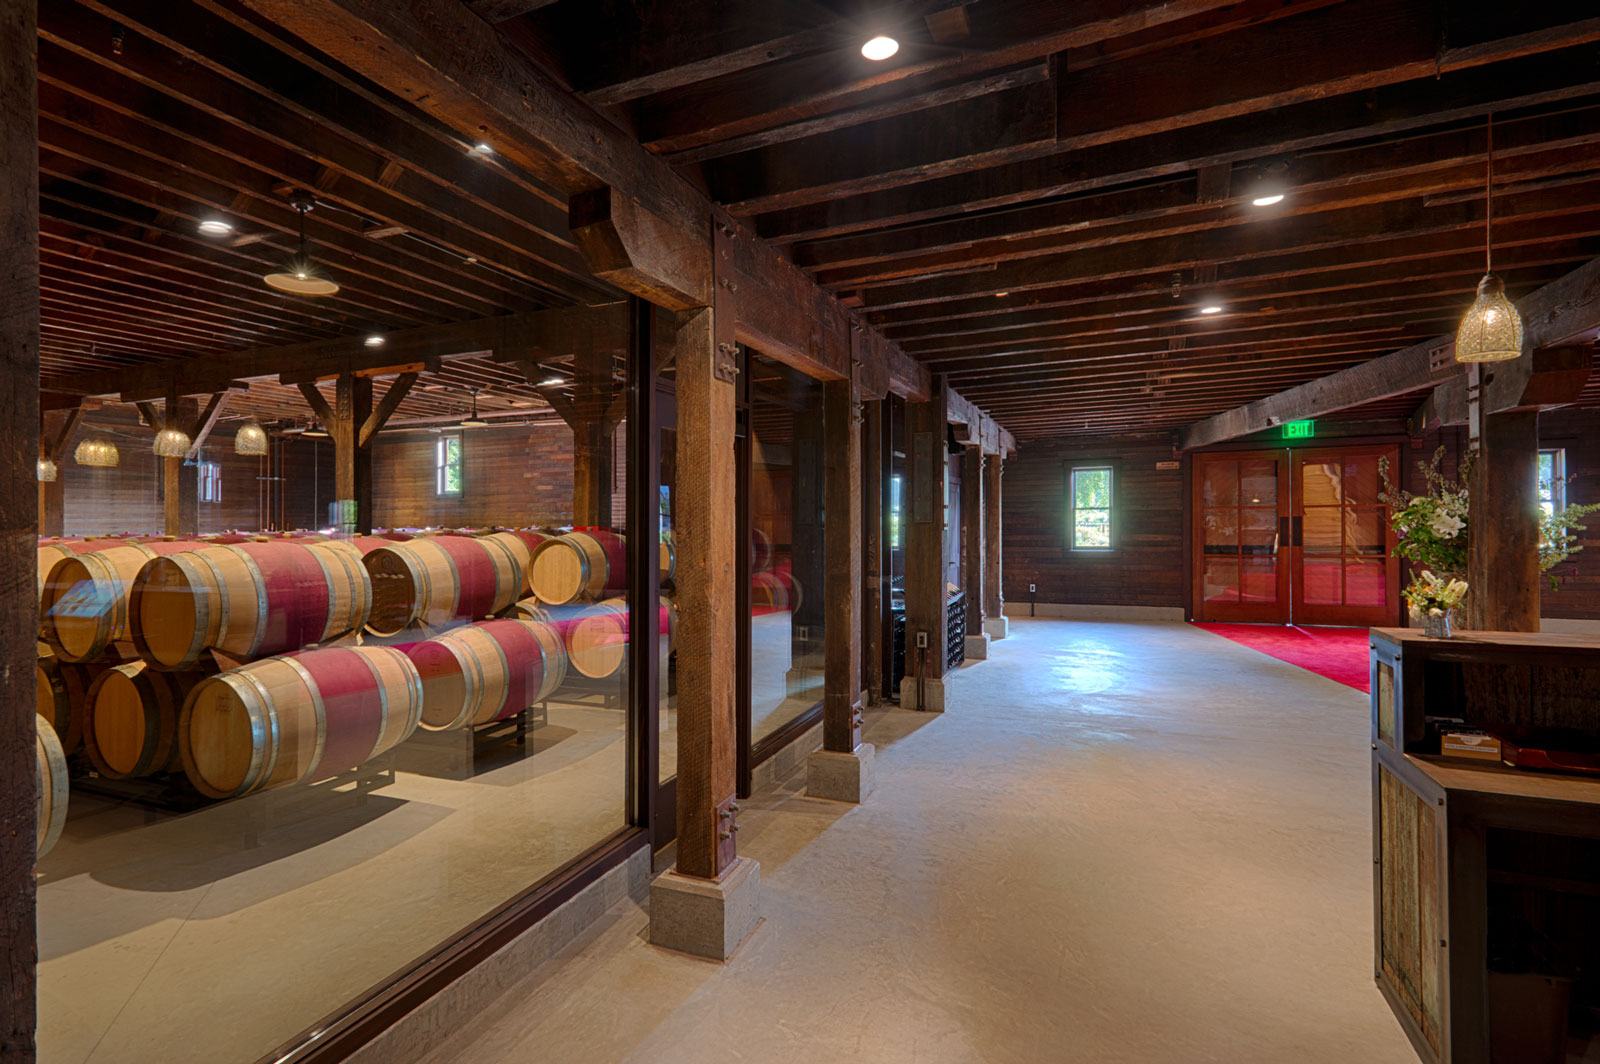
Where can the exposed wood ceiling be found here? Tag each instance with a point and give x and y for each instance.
(1033, 197)
(1036, 197)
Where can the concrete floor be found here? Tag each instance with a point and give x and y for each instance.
(1123, 843)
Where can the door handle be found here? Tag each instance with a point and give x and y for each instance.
(1283, 535)
(1298, 531)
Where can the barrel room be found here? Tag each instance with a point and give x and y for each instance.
(670, 531)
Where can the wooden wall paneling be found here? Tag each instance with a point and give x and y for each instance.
(1145, 569)
(924, 522)
(511, 475)
(843, 540)
(19, 454)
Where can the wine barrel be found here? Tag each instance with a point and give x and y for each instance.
(61, 690)
(439, 581)
(51, 784)
(774, 589)
(246, 600)
(130, 720)
(581, 564)
(485, 672)
(84, 608)
(298, 718)
(760, 551)
(50, 553)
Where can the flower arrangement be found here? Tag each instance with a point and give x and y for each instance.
(1432, 526)
(1558, 538)
(1435, 595)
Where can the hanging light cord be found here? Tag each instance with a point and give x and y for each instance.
(1488, 218)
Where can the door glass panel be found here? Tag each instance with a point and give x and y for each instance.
(1321, 579)
(1221, 580)
(1361, 485)
(1258, 482)
(1258, 580)
(1365, 583)
(1364, 531)
(1222, 531)
(1321, 530)
(1258, 533)
(1221, 484)
(1319, 484)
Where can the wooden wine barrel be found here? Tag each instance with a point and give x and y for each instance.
(519, 550)
(298, 718)
(50, 553)
(61, 691)
(246, 600)
(774, 589)
(581, 564)
(485, 672)
(130, 720)
(84, 608)
(597, 642)
(51, 783)
(440, 581)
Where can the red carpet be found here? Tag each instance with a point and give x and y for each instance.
(1340, 654)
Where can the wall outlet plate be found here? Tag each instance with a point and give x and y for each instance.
(922, 640)
(1032, 589)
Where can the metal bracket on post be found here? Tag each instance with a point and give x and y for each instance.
(727, 829)
(726, 366)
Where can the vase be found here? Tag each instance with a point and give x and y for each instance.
(1437, 625)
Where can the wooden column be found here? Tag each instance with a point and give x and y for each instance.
(994, 600)
(353, 422)
(594, 423)
(974, 556)
(874, 483)
(707, 671)
(1503, 525)
(922, 687)
(19, 455)
(841, 705)
(180, 490)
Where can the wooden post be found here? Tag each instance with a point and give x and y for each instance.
(994, 600)
(841, 706)
(346, 420)
(180, 504)
(707, 775)
(974, 556)
(922, 687)
(19, 455)
(873, 484)
(593, 430)
(1503, 525)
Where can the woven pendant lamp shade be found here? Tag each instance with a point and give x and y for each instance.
(250, 439)
(47, 470)
(101, 454)
(1492, 330)
(172, 443)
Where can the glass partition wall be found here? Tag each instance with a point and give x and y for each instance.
(268, 824)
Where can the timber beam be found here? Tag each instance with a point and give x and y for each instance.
(978, 429)
(1562, 311)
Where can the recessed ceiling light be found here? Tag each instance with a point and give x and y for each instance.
(1211, 308)
(1269, 200)
(375, 340)
(215, 227)
(483, 147)
(1001, 295)
(553, 379)
(880, 48)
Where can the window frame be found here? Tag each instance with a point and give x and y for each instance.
(1112, 523)
(1558, 478)
(441, 464)
(209, 481)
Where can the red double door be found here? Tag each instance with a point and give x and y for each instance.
(1294, 536)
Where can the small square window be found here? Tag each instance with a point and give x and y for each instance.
(210, 475)
(1552, 480)
(1089, 501)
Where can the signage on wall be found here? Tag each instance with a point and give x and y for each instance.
(1299, 430)
(1168, 464)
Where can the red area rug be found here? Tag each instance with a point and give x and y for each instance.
(1340, 654)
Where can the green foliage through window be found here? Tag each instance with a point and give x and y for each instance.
(1089, 507)
(447, 465)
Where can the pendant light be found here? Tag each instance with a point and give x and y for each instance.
(315, 431)
(1492, 329)
(301, 276)
(250, 439)
(474, 422)
(172, 443)
(98, 454)
(47, 470)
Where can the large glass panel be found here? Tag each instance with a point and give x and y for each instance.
(1221, 580)
(234, 869)
(785, 502)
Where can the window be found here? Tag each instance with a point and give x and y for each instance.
(1089, 507)
(1552, 480)
(447, 465)
(210, 481)
(894, 512)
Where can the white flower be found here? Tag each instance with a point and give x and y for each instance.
(1446, 525)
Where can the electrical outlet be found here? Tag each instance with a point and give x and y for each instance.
(922, 640)
(1032, 588)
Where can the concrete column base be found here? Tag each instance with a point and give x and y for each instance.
(978, 647)
(706, 917)
(997, 627)
(932, 688)
(841, 777)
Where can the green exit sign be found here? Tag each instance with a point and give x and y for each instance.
(1299, 430)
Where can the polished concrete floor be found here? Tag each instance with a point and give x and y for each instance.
(1123, 843)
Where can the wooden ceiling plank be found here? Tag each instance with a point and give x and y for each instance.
(1538, 81)
(1552, 315)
